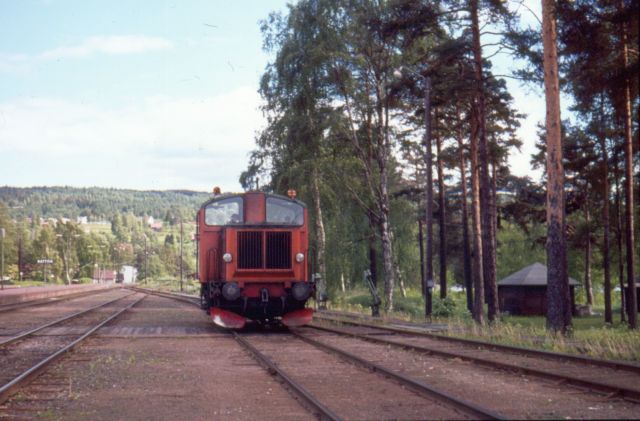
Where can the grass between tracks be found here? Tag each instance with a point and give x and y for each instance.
(589, 335)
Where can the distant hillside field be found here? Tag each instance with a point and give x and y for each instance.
(97, 203)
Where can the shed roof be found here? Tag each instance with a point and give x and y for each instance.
(532, 275)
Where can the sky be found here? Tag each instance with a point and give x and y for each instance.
(143, 94)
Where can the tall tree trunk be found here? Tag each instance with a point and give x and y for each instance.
(403, 289)
(558, 293)
(428, 195)
(387, 255)
(371, 241)
(587, 257)
(398, 272)
(494, 199)
(476, 261)
(383, 153)
(442, 221)
(632, 300)
(486, 205)
(466, 252)
(606, 223)
(65, 261)
(421, 246)
(319, 226)
(619, 235)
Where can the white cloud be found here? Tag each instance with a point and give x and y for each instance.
(107, 45)
(114, 44)
(165, 142)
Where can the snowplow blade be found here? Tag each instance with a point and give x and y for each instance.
(227, 319)
(298, 317)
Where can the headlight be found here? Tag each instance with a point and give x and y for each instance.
(231, 291)
(301, 291)
(299, 257)
(227, 257)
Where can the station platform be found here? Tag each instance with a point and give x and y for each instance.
(12, 295)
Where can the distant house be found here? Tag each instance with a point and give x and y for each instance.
(82, 220)
(51, 222)
(129, 274)
(525, 291)
(124, 247)
(152, 223)
(104, 275)
(626, 290)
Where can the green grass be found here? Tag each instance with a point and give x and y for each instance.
(171, 284)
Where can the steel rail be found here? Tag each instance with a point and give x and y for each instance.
(51, 300)
(55, 322)
(179, 297)
(469, 407)
(614, 364)
(593, 385)
(11, 387)
(273, 369)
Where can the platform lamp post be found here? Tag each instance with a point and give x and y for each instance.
(427, 281)
(2, 234)
(181, 255)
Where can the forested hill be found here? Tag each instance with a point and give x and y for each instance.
(98, 203)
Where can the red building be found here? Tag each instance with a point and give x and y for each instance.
(525, 291)
(104, 275)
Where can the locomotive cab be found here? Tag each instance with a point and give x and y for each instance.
(252, 259)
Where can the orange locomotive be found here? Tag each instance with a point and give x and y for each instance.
(252, 259)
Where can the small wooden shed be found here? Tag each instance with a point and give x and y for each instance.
(626, 291)
(525, 291)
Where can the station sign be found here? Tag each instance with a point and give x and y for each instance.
(45, 261)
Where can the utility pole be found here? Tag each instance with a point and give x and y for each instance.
(20, 272)
(181, 260)
(146, 260)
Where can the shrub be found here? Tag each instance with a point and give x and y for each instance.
(443, 307)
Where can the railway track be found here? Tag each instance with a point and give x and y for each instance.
(449, 406)
(51, 300)
(611, 378)
(27, 354)
(32, 331)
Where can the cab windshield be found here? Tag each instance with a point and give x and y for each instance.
(284, 212)
(224, 212)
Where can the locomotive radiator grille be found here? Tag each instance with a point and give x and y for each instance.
(278, 250)
(257, 251)
(250, 250)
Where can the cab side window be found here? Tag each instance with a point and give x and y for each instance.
(224, 212)
(285, 212)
